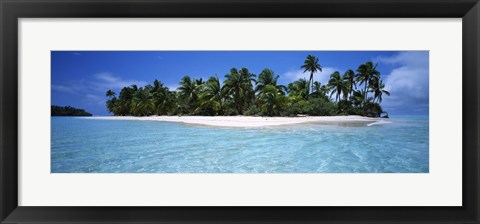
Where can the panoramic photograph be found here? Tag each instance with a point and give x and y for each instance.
(239, 112)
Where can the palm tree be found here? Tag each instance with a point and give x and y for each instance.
(199, 82)
(188, 92)
(166, 103)
(235, 87)
(337, 85)
(268, 77)
(213, 94)
(324, 89)
(125, 100)
(264, 97)
(247, 79)
(365, 73)
(110, 93)
(157, 85)
(319, 90)
(158, 95)
(272, 100)
(358, 98)
(349, 76)
(378, 89)
(142, 103)
(317, 87)
(311, 64)
(162, 97)
(238, 85)
(111, 102)
(299, 88)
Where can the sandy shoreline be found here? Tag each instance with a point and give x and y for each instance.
(245, 121)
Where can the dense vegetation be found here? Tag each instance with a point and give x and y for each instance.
(243, 93)
(68, 111)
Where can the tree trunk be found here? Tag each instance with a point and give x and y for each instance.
(365, 93)
(311, 82)
(221, 107)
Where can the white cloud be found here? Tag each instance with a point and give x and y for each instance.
(101, 83)
(107, 77)
(410, 58)
(321, 77)
(105, 81)
(94, 99)
(63, 89)
(93, 92)
(408, 83)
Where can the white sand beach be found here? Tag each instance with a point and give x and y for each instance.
(245, 121)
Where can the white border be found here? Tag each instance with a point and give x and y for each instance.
(442, 186)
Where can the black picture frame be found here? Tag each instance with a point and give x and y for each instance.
(12, 10)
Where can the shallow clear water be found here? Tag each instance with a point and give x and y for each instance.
(112, 146)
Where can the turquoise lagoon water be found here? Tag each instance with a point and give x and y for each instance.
(81, 145)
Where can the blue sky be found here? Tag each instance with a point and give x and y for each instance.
(81, 78)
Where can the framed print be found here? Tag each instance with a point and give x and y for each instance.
(249, 112)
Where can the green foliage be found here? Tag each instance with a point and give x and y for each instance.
(268, 77)
(144, 101)
(349, 78)
(299, 88)
(372, 109)
(68, 111)
(365, 73)
(211, 98)
(242, 94)
(344, 106)
(356, 111)
(188, 93)
(163, 98)
(378, 89)
(272, 100)
(296, 105)
(320, 107)
(238, 86)
(337, 85)
(252, 110)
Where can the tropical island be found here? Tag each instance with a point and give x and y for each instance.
(356, 92)
(68, 111)
(284, 112)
